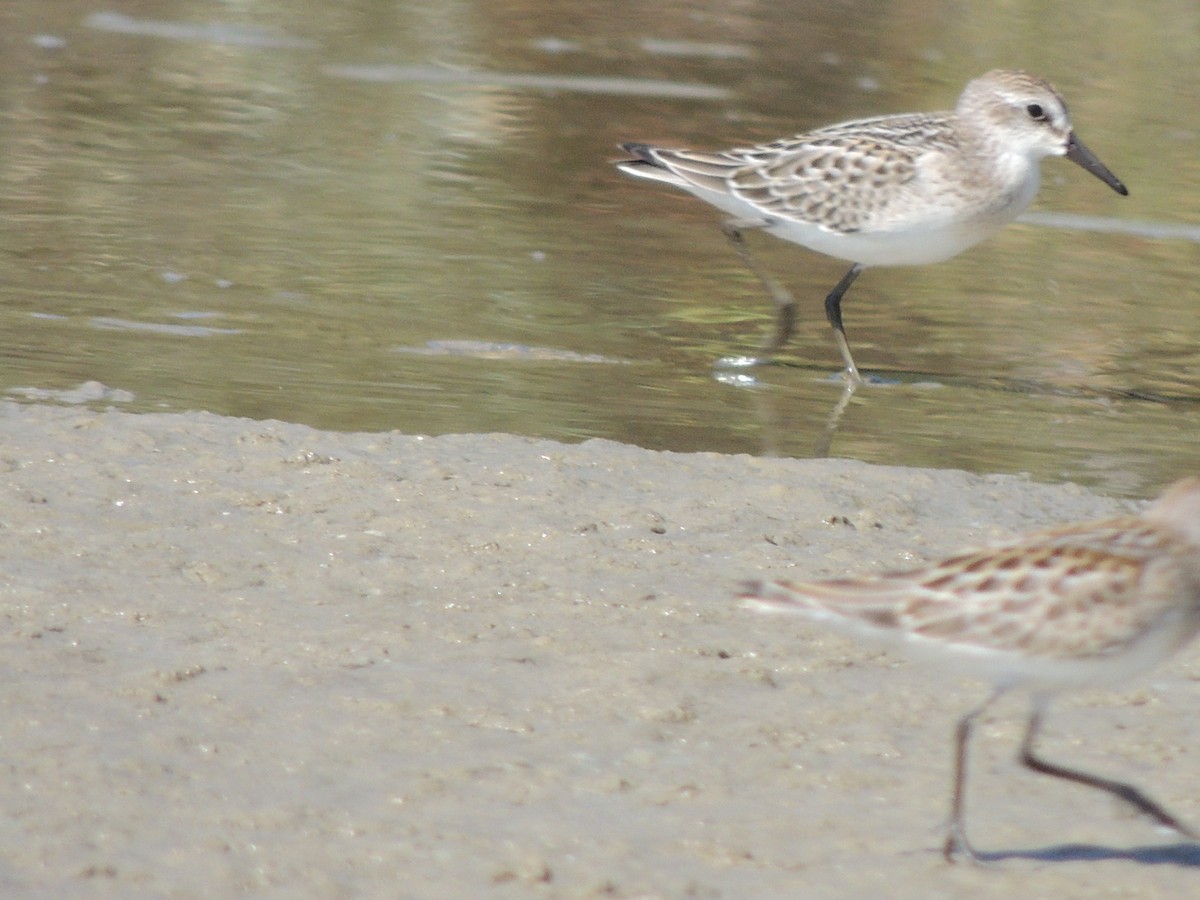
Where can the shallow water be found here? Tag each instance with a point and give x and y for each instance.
(372, 216)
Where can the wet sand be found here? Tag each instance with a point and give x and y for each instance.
(249, 657)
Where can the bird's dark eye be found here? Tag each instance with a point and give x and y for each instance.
(1036, 112)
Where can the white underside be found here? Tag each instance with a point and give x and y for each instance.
(1041, 674)
(929, 241)
(932, 234)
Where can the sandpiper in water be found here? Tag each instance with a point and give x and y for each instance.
(895, 190)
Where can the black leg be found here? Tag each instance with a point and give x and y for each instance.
(956, 830)
(1118, 789)
(785, 303)
(833, 312)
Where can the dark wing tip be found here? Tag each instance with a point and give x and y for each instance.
(641, 152)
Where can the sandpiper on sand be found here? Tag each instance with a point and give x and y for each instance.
(1079, 606)
(897, 190)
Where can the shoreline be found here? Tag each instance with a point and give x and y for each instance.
(252, 657)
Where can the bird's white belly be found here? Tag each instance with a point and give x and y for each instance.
(915, 236)
(900, 247)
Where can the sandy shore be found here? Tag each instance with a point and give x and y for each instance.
(252, 658)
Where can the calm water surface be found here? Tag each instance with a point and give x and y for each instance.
(402, 215)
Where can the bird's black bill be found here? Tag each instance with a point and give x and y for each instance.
(1077, 153)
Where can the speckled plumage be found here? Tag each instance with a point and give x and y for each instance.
(848, 178)
(1078, 606)
(905, 189)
